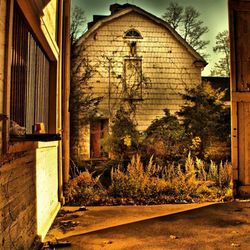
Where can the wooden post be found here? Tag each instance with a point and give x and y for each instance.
(66, 91)
(239, 23)
(7, 72)
(59, 99)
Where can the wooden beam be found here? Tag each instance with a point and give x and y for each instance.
(35, 24)
(7, 72)
(240, 96)
(66, 91)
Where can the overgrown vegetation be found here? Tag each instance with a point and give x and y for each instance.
(174, 160)
(194, 180)
(165, 138)
(177, 159)
(207, 122)
(124, 139)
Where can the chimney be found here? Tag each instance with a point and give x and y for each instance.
(115, 7)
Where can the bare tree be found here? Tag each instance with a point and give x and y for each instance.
(173, 14)
(77, 23)
(186, 21)
(222, 67)
(83, 103)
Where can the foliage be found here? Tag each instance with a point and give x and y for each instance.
(84, 189)
(77, 22)
(83, 104)
(205, 117)
(139, 183)
(165, 138)
(222, 67)
(124, 138)
(187, 23)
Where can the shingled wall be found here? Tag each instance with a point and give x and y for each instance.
(167, 66)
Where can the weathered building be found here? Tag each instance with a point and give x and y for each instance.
(136, 59)
(34, 79)
(239, 17)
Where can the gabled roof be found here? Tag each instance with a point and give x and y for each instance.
(118, 10)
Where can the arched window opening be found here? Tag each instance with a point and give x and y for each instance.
(132, 33)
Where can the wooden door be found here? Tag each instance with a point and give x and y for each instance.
(95, 139)
(239, 23)
(98, 131)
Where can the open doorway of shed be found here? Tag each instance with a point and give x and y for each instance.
(98, 132)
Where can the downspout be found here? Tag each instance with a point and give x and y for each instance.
(66, 91)
(59, 100)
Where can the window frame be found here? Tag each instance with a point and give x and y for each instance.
(30, 77)
(138, 92)
(132, 36)
(51, 52)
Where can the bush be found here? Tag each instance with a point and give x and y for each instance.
(124, 138)
(205, 117)
(139, 183)
(165, 139)
(84, 189)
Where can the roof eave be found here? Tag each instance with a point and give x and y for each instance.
(158, 20)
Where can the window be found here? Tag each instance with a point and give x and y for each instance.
(133, 78)
(30, 77)
(132, 33)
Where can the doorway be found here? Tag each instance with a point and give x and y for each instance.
(98, 132)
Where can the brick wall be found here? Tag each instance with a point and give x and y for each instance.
(18, 201)
(28, 193)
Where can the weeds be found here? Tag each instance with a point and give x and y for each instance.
(192, 181)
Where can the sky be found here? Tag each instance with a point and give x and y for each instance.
(214, 14)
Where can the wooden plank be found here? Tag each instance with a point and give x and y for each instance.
(241, 151)
(66, 92)
(239, 13)
(244, 142)
(240, 96)
(234, 140)
(34, 21)
(7, 71)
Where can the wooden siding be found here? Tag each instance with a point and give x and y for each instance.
(239, 16)
(49, 19)
(166, 64)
